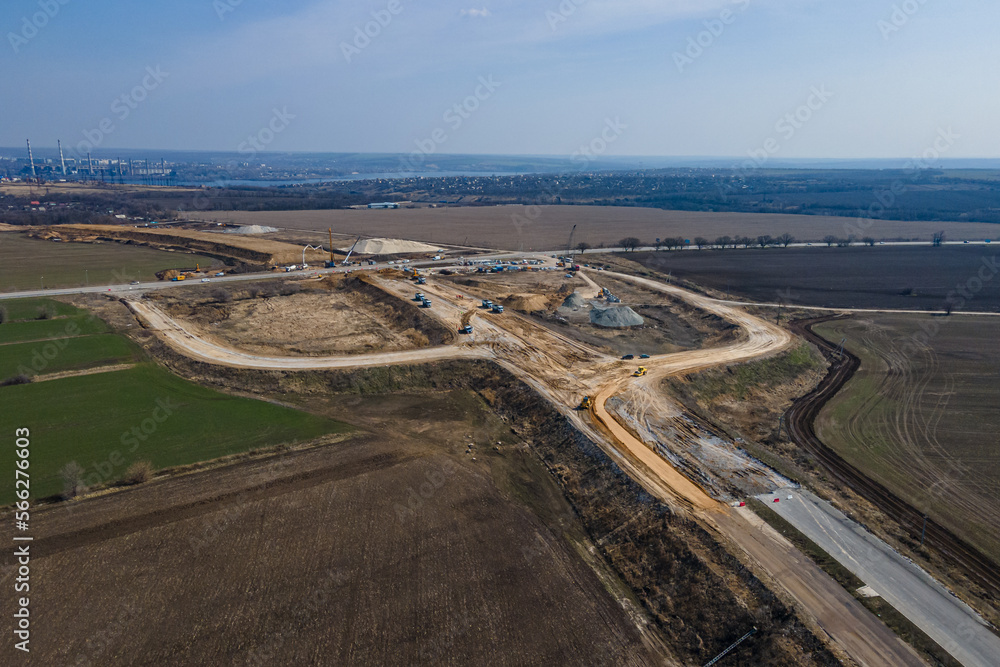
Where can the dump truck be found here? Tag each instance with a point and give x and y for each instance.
(586, 403)
(419, 296)
(497, 308)
(426, 303)
(421, 280)
(487, 303)
(639, 372)
(467, 329)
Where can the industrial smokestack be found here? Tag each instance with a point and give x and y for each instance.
(31, 159)
(90, 164)
(62, 160)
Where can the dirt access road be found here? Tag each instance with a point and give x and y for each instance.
(563, 371)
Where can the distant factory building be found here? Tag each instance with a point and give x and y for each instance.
(385, 204)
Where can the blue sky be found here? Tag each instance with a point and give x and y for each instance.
(892, 75)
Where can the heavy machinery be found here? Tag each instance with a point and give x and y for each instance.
(639, 372)
(419, 296)
(586, 403)
(467, 329)
(497, 308)
(330, 263)
(347, 260)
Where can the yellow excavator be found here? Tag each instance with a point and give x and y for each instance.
(639, 372)
(586, 403)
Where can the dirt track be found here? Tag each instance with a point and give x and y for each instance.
(563, 370)
(801, 418)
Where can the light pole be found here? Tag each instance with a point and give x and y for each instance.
(86, 277)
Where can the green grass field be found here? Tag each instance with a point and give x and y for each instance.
(27, 309)
(920, 415)
(27, 263)
(107, 421)
(70, 354)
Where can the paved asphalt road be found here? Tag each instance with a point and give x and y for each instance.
(910, 590)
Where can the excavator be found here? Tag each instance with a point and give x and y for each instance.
(586, 403)
(639, 372)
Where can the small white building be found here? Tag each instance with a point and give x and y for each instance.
(385, 204)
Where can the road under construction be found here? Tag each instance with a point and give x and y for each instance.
(564, 371)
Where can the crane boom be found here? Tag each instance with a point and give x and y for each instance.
(346, 259)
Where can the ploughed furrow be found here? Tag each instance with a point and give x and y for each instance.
(801, 419)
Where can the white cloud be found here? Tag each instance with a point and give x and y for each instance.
(478, 13)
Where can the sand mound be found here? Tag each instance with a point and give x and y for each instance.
(389, 247)
(526, 302)
(574, 302)
(251, 229)
(615, 318)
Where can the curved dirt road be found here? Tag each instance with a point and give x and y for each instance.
(562, 370)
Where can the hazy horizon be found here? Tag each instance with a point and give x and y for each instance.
(717, 80)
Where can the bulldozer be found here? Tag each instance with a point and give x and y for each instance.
(586, 403)
(639, 372)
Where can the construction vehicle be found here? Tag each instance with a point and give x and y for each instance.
(330, 263)
(497, 308)
(426, 303)
(347, 260)
(421, 280)
(586, 403)
(487, 303)
(419, 296)
(467, 329)
(639, 372)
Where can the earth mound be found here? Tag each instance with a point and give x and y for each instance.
(252, 229)
(619, 317)
(389, 247)
(574, 302)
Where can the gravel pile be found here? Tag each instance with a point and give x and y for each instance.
(619, 317)
(574, 302)
(252, 229)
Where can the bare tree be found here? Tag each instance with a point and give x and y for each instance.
(868, 241)
(723, 241)
(744, 241)
(72, 476)
(764, 240)
(630, 243)
(583, 246)
(829, 240)
(786, 240)
(700, 241)
(938, 239)
(222, 295)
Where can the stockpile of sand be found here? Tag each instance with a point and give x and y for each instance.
(527, 303)
(389, 247)
(251, 229)
(619, 317)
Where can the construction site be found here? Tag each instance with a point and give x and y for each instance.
(604, 345)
